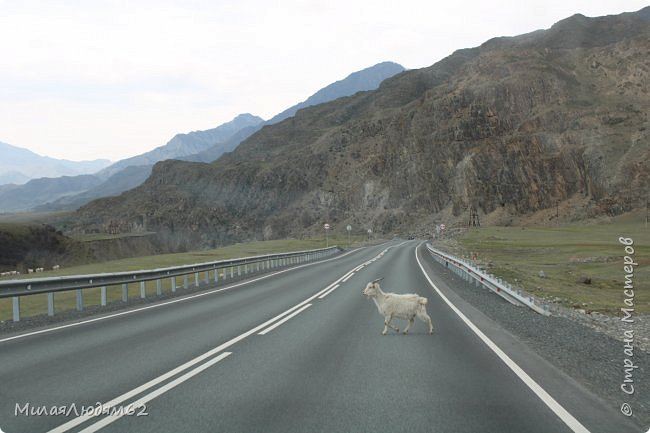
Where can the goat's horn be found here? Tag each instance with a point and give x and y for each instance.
(378, 280)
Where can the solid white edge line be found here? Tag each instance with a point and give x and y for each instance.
(329, 291)
(550, 402)
(173, 301)
(280, 322)
(111, 418)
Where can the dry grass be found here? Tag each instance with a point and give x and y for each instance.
(565, 254)
(37, 304)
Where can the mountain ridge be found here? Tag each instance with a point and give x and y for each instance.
(510, 127)
(185, 144)
(18, 165)
(210, 145)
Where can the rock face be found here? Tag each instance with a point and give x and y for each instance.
(512, 126)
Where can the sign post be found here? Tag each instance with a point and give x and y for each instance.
(327, 228)
(349, 229)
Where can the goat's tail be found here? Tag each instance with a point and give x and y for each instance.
(422, 300)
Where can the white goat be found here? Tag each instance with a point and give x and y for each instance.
(392, 305)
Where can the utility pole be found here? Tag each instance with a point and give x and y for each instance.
(647, 212)
(473, 217)
(557, 212)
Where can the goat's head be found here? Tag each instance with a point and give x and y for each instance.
(372, 288)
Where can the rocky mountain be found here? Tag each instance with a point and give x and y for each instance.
(21, 198)
(511, 127)
(215, 151)
(198, 146)
(123, 180)
(70, 192)
(192, 143)
(18, 165)
(363, 80)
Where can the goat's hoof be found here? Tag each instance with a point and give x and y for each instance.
(404, 332)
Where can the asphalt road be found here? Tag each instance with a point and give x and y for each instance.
(298, 350)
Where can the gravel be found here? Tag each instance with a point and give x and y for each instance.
(587, 347)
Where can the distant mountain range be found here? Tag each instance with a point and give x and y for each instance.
(366, 79)
(200, 146)
(363, 80)
(504, 130)
(188, 144)
(18, 165)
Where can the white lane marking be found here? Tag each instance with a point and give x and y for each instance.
(347, 277)
(173, 301)
(75, 422)
(130, 394)
(333, 287)
(147, 398)
(280, 322)
(79, 420)
(552, 404)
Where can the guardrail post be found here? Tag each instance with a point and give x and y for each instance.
(102, 296)
(125, 292)
(15, 301)
(216, 275)
(143, 289)
(158, 287)
(207, 277)
(50, 304)
(239, 270)
(196, 279)
(232, 272)
(174, 284)
(80, 300)
(185, 282)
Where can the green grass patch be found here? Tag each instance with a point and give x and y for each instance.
(565, 254)
(37, 304)
(105, 236)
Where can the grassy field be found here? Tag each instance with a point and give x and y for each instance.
(104, 236)
(565, 254)
(37, 304)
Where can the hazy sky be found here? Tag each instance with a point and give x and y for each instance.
(91, 79)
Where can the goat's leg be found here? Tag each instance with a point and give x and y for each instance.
(411, 321)
(387, 324)
(422, 315)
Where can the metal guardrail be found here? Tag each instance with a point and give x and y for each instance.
(220, 270)
(471, 272)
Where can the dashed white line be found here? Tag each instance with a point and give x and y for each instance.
(333, 287)
(163, 389)
(280, 322)
(173, 301)
(285, 316)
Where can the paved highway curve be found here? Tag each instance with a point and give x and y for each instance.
(298, 350)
